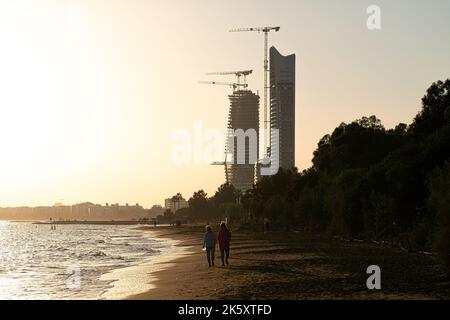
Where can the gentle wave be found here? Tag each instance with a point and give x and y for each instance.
(38, 263)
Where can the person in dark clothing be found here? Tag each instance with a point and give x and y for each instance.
(224, 243)
(209, 243)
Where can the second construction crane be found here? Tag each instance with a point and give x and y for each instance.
(238, 75)
(233, 85)
(266, 31)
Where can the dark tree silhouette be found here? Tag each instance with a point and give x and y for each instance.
(366, 181)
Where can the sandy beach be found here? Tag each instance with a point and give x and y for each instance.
(291, 265)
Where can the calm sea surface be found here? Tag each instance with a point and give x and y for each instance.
(70, 262)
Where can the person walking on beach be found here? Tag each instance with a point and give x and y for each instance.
(209, 243)
(224, 243)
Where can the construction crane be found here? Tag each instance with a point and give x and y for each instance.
(238, 74)
(224, 163)
(230, 84)
(266, 31)
(235, 85)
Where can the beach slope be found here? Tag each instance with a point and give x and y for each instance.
(290, 265)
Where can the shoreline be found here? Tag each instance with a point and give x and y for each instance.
(140, 278)
(162, 279)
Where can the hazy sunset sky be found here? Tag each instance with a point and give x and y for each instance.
(91, 91)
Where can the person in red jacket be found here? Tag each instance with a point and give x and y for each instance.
(224, 243)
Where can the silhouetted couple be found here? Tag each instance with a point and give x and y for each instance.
(209, 243)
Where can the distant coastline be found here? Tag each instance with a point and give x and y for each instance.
(80, 211)
(94, 222)
(86, 222)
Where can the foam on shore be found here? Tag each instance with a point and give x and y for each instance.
(137, 279)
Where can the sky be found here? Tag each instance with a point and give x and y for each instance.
(92, 91)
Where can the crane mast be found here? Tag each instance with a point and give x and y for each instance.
(266, 31)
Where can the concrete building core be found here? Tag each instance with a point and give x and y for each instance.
(244, 117)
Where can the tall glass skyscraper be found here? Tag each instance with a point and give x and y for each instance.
(282, 107)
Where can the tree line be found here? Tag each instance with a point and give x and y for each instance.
(365, 182)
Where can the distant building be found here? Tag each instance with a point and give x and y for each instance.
(282, 106)
(174, 206)
(79, 211)
(244, 115)
(155, 211)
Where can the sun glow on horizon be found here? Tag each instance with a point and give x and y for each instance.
(92, 90)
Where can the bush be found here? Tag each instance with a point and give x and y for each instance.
(439, 201)
(418, 238)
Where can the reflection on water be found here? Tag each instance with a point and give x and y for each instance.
(39, 263)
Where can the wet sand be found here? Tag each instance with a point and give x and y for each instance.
(295, 266)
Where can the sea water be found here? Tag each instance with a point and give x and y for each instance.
(73, 261)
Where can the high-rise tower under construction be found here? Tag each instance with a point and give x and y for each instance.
(243, 139)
